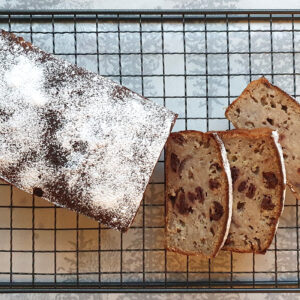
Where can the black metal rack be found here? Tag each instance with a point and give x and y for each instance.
(154, 31)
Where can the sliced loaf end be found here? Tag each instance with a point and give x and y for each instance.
(262, 104)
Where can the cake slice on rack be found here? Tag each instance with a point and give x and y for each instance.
(258, 181)
(198, 193)
(262, 104)
(73, 137)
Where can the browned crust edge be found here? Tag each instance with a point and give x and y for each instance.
(257, 82)
(256, 133)
(249, 133)
(246, 251)
(78, 208)
(218, 247)
(261, 80)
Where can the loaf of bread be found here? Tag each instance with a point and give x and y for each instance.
(75, 138)
(264, 105)
(198, 193)
(258, 179)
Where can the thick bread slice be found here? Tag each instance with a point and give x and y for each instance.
(258, 179)
(198, 193)
(264, 105)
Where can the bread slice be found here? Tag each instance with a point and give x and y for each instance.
(264, 105)
(258, 179)
(198, 193)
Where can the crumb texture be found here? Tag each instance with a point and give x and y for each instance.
(264, 105)
(258, 189)
(73, 137)
(197, 195)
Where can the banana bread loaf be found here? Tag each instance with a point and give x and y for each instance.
(73, 137)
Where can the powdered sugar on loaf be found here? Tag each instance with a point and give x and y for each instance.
(75, 138)
(26, 80)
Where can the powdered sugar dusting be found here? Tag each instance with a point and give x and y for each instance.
(25, 79)
(275, 137)
(229, 179)
(76, 138)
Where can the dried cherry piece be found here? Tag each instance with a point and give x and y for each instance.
(217, 212)
(235, 172)
(251, 191)
(271, 180)
(242, 186)
(267, 203)
(214, 184)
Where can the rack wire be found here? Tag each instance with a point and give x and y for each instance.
(195, 63)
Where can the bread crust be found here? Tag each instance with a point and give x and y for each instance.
(226, 210)
(267, 134)
(254, 83)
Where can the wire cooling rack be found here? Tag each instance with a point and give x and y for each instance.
(195, 63)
